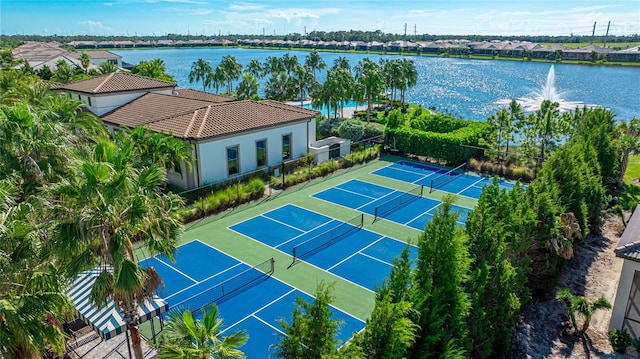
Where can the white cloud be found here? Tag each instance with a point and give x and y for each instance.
(95, 26)
(107, 4)
(245, 6)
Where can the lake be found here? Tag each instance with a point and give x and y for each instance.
(465, 88)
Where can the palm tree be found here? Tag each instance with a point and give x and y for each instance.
(290, 63)
(217, 79)
(247, 88)
(581, 306)
(280, 87)
(392, 70)
(255, 68)
(186, 337)
(107, 67)
(32, 299)
(303, 80)
(154, 68)
(85, 61)
(341, 82)
(273, 65)
(111, 200)
(314, 62)
(629, 143)
(369, 83)
(342, 62)
(231, 69)
(200, 70)
(63, 73)
(516, 119)
(409, 77)
(158, 148)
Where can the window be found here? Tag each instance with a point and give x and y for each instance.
(261, 153)
(89, 99)
(286, 147)
(233, 166)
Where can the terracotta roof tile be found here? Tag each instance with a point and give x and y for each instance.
(196, 119)
(117, 82)
(205, 96)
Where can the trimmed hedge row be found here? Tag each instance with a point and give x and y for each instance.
(441, 137)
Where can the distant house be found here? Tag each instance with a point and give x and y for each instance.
(41, 54)
(545, 52)
(229, 138)
(587, 53)
(626, 308)
(99, 56)
(631, 54)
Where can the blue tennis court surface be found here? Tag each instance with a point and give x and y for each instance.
(200, 275)
(460, 183)
(363, 196)
(358, 255)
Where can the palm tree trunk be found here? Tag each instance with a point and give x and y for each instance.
(369, 103)
(136, 342)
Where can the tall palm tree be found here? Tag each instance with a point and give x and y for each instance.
(200, 70)
(280, 87)
(85, 61)
(184, 336)
(409, 77)
(217, 79)
(255, 68)
(110, 201)
(290, 63)
(315, 62)
(231, 69)
(158, 148)
(629, 143)
(273, 65)
(247, 88)
(341, 82)
(342, 62)
(369, 83)
(393, 73)
(304, 81)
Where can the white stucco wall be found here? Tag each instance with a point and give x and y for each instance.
(212, 155)
(102, 104)
(98, 61)
(622, 295)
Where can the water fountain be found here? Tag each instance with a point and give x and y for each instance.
(532, 102)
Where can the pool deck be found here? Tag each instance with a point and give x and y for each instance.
(348, 111)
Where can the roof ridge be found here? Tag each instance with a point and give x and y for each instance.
(204, 121)
(108, 77)
(190, 126)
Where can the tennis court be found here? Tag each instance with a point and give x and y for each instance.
(341, 248)
(407, 208)
(452, 181)
(203, 274)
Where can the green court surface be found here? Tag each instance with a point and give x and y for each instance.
(349, 297)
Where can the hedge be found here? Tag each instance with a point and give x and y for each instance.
(439, 136)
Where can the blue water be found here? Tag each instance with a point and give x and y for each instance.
(463, 87)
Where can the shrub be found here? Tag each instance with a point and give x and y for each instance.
(373, 130)
(351, 129)
(620, 340)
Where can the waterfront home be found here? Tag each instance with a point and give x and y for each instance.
(228, 138)
(626, 311)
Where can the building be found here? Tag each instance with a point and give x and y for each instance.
(39, 54)
(229, 138)
(626, 308)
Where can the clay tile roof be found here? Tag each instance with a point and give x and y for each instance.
(117, 82)
(197, 119)
(152, 107)
(200, 95)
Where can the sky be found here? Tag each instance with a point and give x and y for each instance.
(222, 17)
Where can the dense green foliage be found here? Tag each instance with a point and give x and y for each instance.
(311, 332)
(435, 135)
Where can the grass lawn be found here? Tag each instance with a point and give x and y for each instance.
(629, 196)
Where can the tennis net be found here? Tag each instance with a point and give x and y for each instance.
(229, 286)
(398, 201)
(326, 238)
(447, 177)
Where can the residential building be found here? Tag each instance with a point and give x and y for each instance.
(228, 138)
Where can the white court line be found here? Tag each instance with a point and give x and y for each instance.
(355, 253)
(174, 268)
(277, 221)
(376, 259)
(474, 183)
(253, 314)
(202, 281)
(350, 191)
